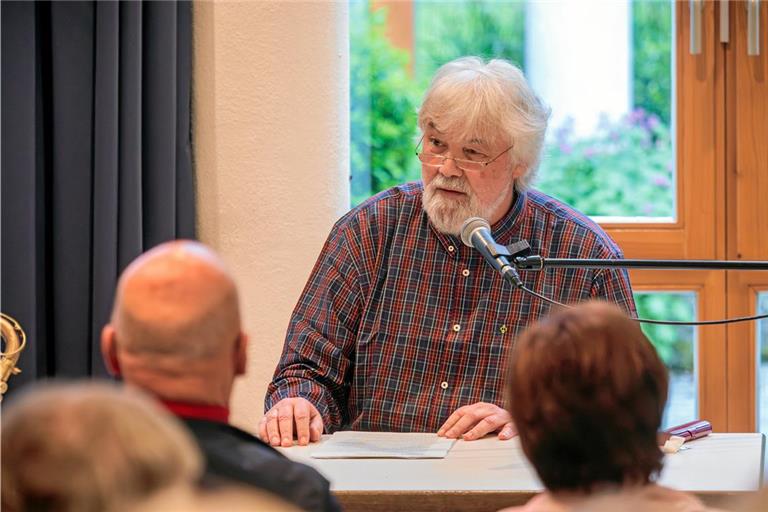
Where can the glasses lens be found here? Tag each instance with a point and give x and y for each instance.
(431, 159)
(439, 160)
(469, 165)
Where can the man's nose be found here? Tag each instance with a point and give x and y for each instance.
(449, 167)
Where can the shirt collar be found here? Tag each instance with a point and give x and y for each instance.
(502, 230)
(217, 413)
(510, 222)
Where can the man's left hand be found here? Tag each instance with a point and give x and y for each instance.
(474, 421)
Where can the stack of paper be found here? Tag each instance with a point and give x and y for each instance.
(394, 445)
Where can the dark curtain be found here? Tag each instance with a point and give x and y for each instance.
(96, 164)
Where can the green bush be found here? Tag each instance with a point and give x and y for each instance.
(624, 168)
(762, 308)
(674, 343)
(652, 52)
(448, 30)
(383, 102)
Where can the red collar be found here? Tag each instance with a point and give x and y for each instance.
(217, 413)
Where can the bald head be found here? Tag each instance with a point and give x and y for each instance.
(176, 300)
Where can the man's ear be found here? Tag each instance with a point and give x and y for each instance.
(519, 171)
(109, 350)
(241, 354)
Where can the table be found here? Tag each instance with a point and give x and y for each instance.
(489, 474)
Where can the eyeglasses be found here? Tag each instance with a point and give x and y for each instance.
(433, 160)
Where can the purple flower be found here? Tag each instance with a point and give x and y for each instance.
(647, 208)
(565, 148)
(653, 122)
(590, 152)
(661, 181)
(636, 117)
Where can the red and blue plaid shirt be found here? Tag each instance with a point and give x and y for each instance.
(399, 325)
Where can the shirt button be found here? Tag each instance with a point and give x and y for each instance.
(451, 248)
(444, 385)
(456, 327)
(465, 272)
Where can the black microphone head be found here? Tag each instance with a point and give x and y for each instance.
(469, 227)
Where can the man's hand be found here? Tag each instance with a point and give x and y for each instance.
(277, 425)
(474, 421)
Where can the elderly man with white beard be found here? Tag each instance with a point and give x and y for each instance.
(403, 328)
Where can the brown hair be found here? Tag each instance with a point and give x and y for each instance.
(587, 390)
(90, 447)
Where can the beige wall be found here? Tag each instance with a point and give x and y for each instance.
(271, 132)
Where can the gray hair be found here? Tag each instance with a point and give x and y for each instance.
(91, 446)
(493, 102)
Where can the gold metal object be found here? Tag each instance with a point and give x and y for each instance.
(14, 341)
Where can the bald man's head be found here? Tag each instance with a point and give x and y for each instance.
(176, 300)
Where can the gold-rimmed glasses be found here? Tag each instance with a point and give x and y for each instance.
(434, 160)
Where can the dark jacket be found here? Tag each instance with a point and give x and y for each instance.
(234, 455)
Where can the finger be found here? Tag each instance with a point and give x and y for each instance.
(285, 423)
(301, 418)
(263, 429)
(466, 422)
(508, 431)
(316, 427)
(273, 431)
(485, 425)
(451, 421)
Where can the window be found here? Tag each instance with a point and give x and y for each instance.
(645, 137)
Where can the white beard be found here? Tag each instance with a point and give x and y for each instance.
(448, 215)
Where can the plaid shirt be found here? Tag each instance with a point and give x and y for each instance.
(399, 325)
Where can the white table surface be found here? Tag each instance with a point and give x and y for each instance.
(718, 463)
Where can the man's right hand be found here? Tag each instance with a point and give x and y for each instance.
(289, 419)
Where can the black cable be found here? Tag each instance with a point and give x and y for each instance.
(657, 322)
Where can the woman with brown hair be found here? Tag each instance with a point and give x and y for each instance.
(587, 392)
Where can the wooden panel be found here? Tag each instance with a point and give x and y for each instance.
(476, 501)
(743, 288)
(747, 82)
(709, 286)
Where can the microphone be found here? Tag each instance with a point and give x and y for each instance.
(476, 232)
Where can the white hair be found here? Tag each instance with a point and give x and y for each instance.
(492, 102)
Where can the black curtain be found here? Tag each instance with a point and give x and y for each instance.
(96, 164)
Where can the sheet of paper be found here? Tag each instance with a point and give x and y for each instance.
(389, 445)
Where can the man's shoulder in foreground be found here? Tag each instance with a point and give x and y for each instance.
(235, 455)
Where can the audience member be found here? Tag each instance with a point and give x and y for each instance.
(176, 333)
(586, 391)
(90, 447)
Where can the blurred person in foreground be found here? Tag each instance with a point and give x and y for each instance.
(403, 328)
(176, 333)
(91, 447)
(587, 390)
(228, 498)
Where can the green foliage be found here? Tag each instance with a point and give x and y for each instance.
(383, 101)
(625, 168)
(652, 50)
(674, 343)
(762, 309)
(448, 30)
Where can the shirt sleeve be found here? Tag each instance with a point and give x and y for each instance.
(613, 285)
(319, 348)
